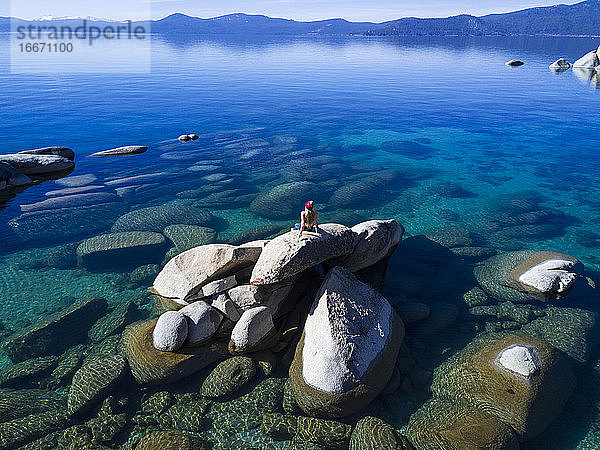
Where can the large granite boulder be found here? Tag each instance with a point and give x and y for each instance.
(527, 276)
(151, 366)
(282, 202)
(348, 348)
(118, 249)
(157, 218)
(94, 381)
(185, 274)
(588, 61)
(373, 433)
(290, 254)
(272, 295)
(374, 241)
(58, 151)
(518, 378)
(450, 424)
(38, 164)
(54, 334)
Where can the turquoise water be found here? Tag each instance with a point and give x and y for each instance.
(430, 132)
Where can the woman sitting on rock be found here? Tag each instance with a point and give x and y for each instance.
(309, 219)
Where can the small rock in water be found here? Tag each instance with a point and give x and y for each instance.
(184, 138)
(127, 150)
(560, 65)
(514, 63)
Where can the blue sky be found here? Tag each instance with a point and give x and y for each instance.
(373, 10)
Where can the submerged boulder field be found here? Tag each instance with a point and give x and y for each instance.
(289, 339)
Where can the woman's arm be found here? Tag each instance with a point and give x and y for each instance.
(316, 222)
(301, 223)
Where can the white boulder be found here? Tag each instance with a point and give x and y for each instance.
(374, 240)
(524, 360)
(226, 306)
(203, 321)
(560, 65)
(552, 275)
(185, 274)
(170, 331)
(253, 327)
(587, 61)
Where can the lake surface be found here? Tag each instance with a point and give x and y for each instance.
(432, 132)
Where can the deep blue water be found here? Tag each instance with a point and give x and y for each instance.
(460, 132)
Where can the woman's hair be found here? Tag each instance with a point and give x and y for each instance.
(310, 216)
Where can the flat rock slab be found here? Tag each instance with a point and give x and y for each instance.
(58, 151)
(185, 237)
(58, 225)
(118, 249)
(289, 254)
(24, 372)
(77, 180)
(23, 430)
(94, 381)
(38, 164)
(151, 366)
(137, 179)
(122, 151)
(72, 201)
(73, 190)
(157, 218)
(185, 274)
(54, 334)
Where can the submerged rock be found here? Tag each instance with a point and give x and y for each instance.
(114, 322)
(151, 366)
(157, 218)
(228, 377)
(572, 330)
(374, 241)
(18, 432)
(281, 202)
(127, 150)
(520, 379)
(257, 233)
(527, 276)
(25, 372)
(23, 402)
(94, 381)
(374, 433)
(185, 237)
(12, 177)
(54, 334)
(327, 433)
(452, 424)
(185, 274)
(348, 348)
(71, 201)
(288, 255)
(170, 440)
(118, 249)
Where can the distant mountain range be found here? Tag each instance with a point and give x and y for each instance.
(581, 19)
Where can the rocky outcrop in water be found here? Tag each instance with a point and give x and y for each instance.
(157, 218)
(528, 276)
(347, 352)
(122, 151)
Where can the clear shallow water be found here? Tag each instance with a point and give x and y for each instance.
(448, 132)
